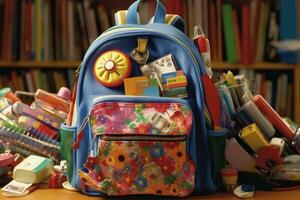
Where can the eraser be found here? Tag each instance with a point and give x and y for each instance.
(278, 142)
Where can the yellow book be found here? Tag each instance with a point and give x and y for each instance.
(177, 79)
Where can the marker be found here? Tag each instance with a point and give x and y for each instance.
(23, 109)
(10, 124)
(52, 99)
(32, 123)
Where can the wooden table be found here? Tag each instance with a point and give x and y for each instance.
(61, 194)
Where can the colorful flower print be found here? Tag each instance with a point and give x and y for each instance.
(139, 151)
(137, 167)
(144, 144)
(157, 151)
(166, 164)
(140, 182)
(143, 128)
(153, 173)
(141, 118)
(172, 145)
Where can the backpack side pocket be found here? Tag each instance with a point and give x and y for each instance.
(216, 143)
(66, 146)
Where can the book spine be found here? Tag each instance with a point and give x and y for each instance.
(245, 34)
(229, 33)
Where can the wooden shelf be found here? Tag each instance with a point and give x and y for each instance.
(29, 64)
(216, 66)
(257, 66)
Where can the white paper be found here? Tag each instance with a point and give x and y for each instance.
(16, 187)
(287, 45)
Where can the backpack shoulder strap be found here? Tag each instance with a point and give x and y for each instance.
(174, 20)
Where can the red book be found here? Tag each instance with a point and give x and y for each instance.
(237, 34)
(169, 4)
(28, 43)
(245, 34)
(178, 7)
(6, 31)
(23, 29)
(254, 24)
(213, 31)
(14, 79)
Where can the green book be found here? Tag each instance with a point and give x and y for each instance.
(229, 34)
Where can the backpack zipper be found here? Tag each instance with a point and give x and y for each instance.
(80, 134)
(168, 138)
(137, 99)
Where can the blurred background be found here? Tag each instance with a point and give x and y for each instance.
(43, 41)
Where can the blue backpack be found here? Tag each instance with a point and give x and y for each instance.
(128, 145)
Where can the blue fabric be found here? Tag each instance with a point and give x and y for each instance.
(179, 23)
(163, 39)
(159, 16)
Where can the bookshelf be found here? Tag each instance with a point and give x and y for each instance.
(255, 66)
(91, 17)
(37, 64)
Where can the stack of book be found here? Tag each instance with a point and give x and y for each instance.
(46, 30)
(242, 31)
(31, 80)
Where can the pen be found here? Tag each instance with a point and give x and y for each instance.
(202, 43)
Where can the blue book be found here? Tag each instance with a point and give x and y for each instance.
(288, 28)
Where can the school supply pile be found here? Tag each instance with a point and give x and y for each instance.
(27, 174)
(258, 140)
(34, 129)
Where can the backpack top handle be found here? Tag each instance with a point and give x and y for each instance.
(159, 15)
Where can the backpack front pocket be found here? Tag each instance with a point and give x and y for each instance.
(141, 148)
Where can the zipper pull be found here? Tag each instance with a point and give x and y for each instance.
(80, 134)
(78, 71)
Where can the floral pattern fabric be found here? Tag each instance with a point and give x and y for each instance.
(140, 167)
(141, 118)
(132, 156)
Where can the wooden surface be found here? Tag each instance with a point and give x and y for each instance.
(61, 194)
